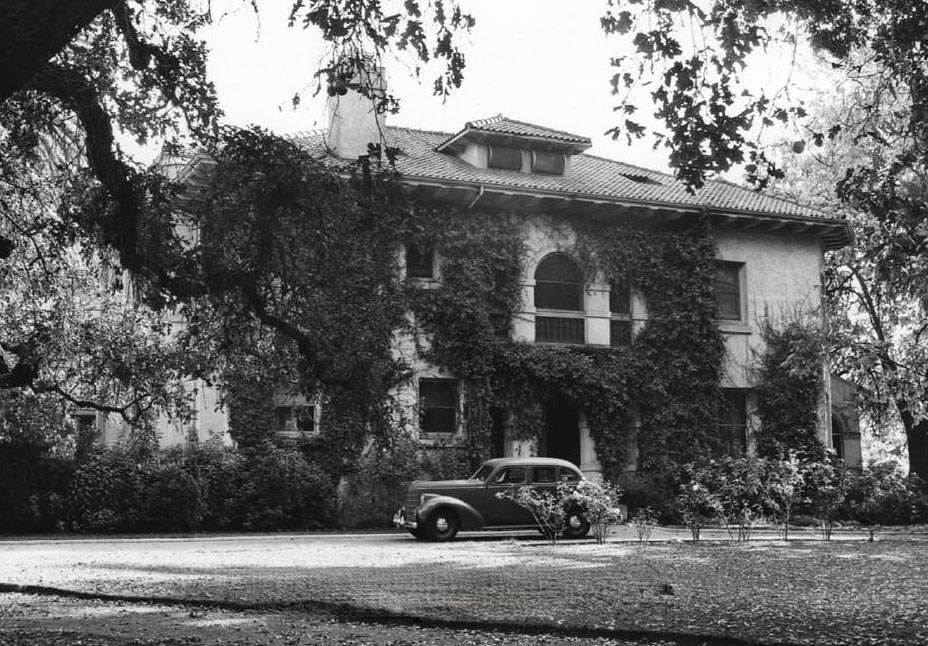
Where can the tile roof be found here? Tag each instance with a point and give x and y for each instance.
(590, 177)
(504, 125)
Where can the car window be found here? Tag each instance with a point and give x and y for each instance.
(541, 475)
(569, 475)
(482, 473)
(512, 475)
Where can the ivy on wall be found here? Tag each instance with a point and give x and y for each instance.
(669, 375)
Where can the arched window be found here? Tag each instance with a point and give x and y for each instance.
(558, 284)
(559, 287)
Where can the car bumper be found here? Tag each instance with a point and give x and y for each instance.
(400, 520)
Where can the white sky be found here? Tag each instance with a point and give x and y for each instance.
(540, 61)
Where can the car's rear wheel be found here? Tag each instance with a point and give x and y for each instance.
(442, 525)
(576, 525)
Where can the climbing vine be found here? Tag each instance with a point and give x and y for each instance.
(669, 375)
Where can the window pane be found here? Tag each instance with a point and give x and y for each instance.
(568, 475)
(620, 333)
(554, 329)
(732, 422)
(620, 298)
(558, 284)
(728, 290)
(437, 406)
(559, 296)
(544, 474)
(551, 163)
(502, 157)
(418, 261)
(306, 419)
(837, 439)
(559, 268)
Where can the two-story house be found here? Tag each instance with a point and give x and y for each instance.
(769, 261)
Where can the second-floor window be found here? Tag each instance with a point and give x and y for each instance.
(559, 289)
(299, 419)
(727, 286)
(620, 325)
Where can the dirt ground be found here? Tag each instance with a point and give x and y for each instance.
(389, 589)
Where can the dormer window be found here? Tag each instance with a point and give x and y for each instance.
(505, 158)
(547, 163)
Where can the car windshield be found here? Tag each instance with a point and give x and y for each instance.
(482, 473)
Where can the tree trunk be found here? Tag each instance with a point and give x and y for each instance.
(33, 31)
(916, 434)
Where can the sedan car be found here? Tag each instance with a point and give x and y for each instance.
(437, 510)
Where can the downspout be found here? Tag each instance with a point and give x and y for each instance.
(474, 201)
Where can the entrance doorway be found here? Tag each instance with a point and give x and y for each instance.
(562, 431)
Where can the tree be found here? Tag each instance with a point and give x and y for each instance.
(875, 318)
(87, 71)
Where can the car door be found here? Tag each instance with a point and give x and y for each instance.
(506, 512)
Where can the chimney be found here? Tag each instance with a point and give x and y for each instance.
(353, 120)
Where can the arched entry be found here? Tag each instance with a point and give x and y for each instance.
(562, 431)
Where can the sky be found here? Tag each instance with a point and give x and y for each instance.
(539, 61)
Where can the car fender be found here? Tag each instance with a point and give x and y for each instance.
(470, 518)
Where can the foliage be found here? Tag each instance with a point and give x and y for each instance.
(826, 484)
(644, 521)
(548, 508)
(789, 385)
(738, 484)
(881, 494)
(376, 488)
(782, 489)
(697, 501)
(670, 372)
(598, 504)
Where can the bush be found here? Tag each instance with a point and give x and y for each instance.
(375, 491)
(738, 486)
(548, 508)
(599, 503)
(881, 494)
(697, 501)
(644, 521)
(106, 492)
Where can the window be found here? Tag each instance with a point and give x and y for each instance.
(554, 329)
(512, 475)
(85, 424)
(569, 475)
(732, 422)
(620, 327)
(547, 163)
(438, 406)
(544, 475)
(727, 286)
(420, 261)
(837, 437)
(558, 284)
(506, 158)
(296, 419)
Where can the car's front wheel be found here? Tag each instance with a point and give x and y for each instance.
(576, 525)
(442, 525)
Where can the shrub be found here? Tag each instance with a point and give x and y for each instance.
(548, 508)
(782, 488)
(106, 491)
(697, 501)
(644, 521)
(375, 490)
(826, 482)
(737, 484)
(599, 504)
(277, 488)
(881, 494)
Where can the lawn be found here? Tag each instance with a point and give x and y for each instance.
(804, 592)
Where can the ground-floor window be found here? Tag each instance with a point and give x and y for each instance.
(732, 422)
(299, 419)
(438, 406)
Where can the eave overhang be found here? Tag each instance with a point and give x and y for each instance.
(834, 233)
